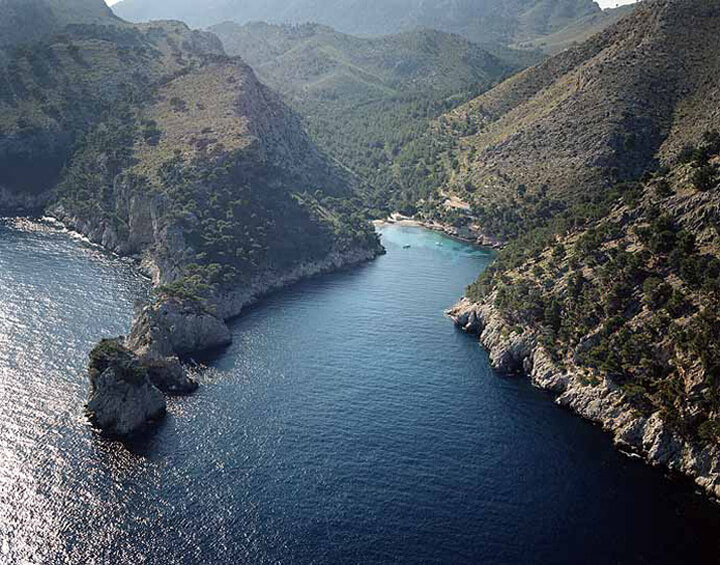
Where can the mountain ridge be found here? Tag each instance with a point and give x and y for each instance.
(616, 314)
(606, 294)
(154, 143)
(366, 100)
(485, 21)
(602, 112)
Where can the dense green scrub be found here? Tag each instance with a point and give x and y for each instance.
(628, 290)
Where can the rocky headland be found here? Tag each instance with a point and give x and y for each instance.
(616, 314)
(123, 399)
(600, 401)
(153, 143)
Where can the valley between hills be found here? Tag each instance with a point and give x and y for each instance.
(243, 157)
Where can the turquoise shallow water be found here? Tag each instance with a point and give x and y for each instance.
(348, 423)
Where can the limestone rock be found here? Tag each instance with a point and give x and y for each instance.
(121, 408)
(168, 375)
(123, 401)
(176, 327)
(597, 400)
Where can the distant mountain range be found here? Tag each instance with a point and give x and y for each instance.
(576, 31)
(482, 21)
(23, 21)
(309, 58)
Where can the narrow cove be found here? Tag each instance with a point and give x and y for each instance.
(349, 422)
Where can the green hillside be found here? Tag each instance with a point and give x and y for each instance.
(153, 142)
(625, 293)
(367, 101)
(601, 113)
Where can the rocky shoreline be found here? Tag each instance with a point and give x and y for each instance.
(166, 331)
(183, 328)
(596, 400)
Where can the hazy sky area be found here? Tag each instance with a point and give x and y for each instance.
(603, 3)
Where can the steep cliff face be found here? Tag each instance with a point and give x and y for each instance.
(56, 91)
(619, 318)
(215, 184)
(598, 400)
(155, 144)
(367, 100)
(123, 401)
(602, 112)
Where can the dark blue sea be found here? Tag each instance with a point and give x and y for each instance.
(349, 422)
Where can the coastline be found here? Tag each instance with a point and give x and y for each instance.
(510, 352)
(596, 400)
(227, 302)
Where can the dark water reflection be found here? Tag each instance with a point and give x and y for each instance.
(348, 423)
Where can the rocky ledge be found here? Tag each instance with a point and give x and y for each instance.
(597, 400)
(230, 302)
(175, 326)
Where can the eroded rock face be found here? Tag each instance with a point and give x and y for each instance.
(123, 401)
(176, 327)
(168, 375)
(599, 401)
(129, 375)
(120, 408)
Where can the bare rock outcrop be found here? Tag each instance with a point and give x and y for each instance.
(599, 401)
(123, 401)
(176, 327)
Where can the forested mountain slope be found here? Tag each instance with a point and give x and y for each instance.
(482, 21)
(604, 165)
(603, 112)
(368, 100)
(153, 142)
